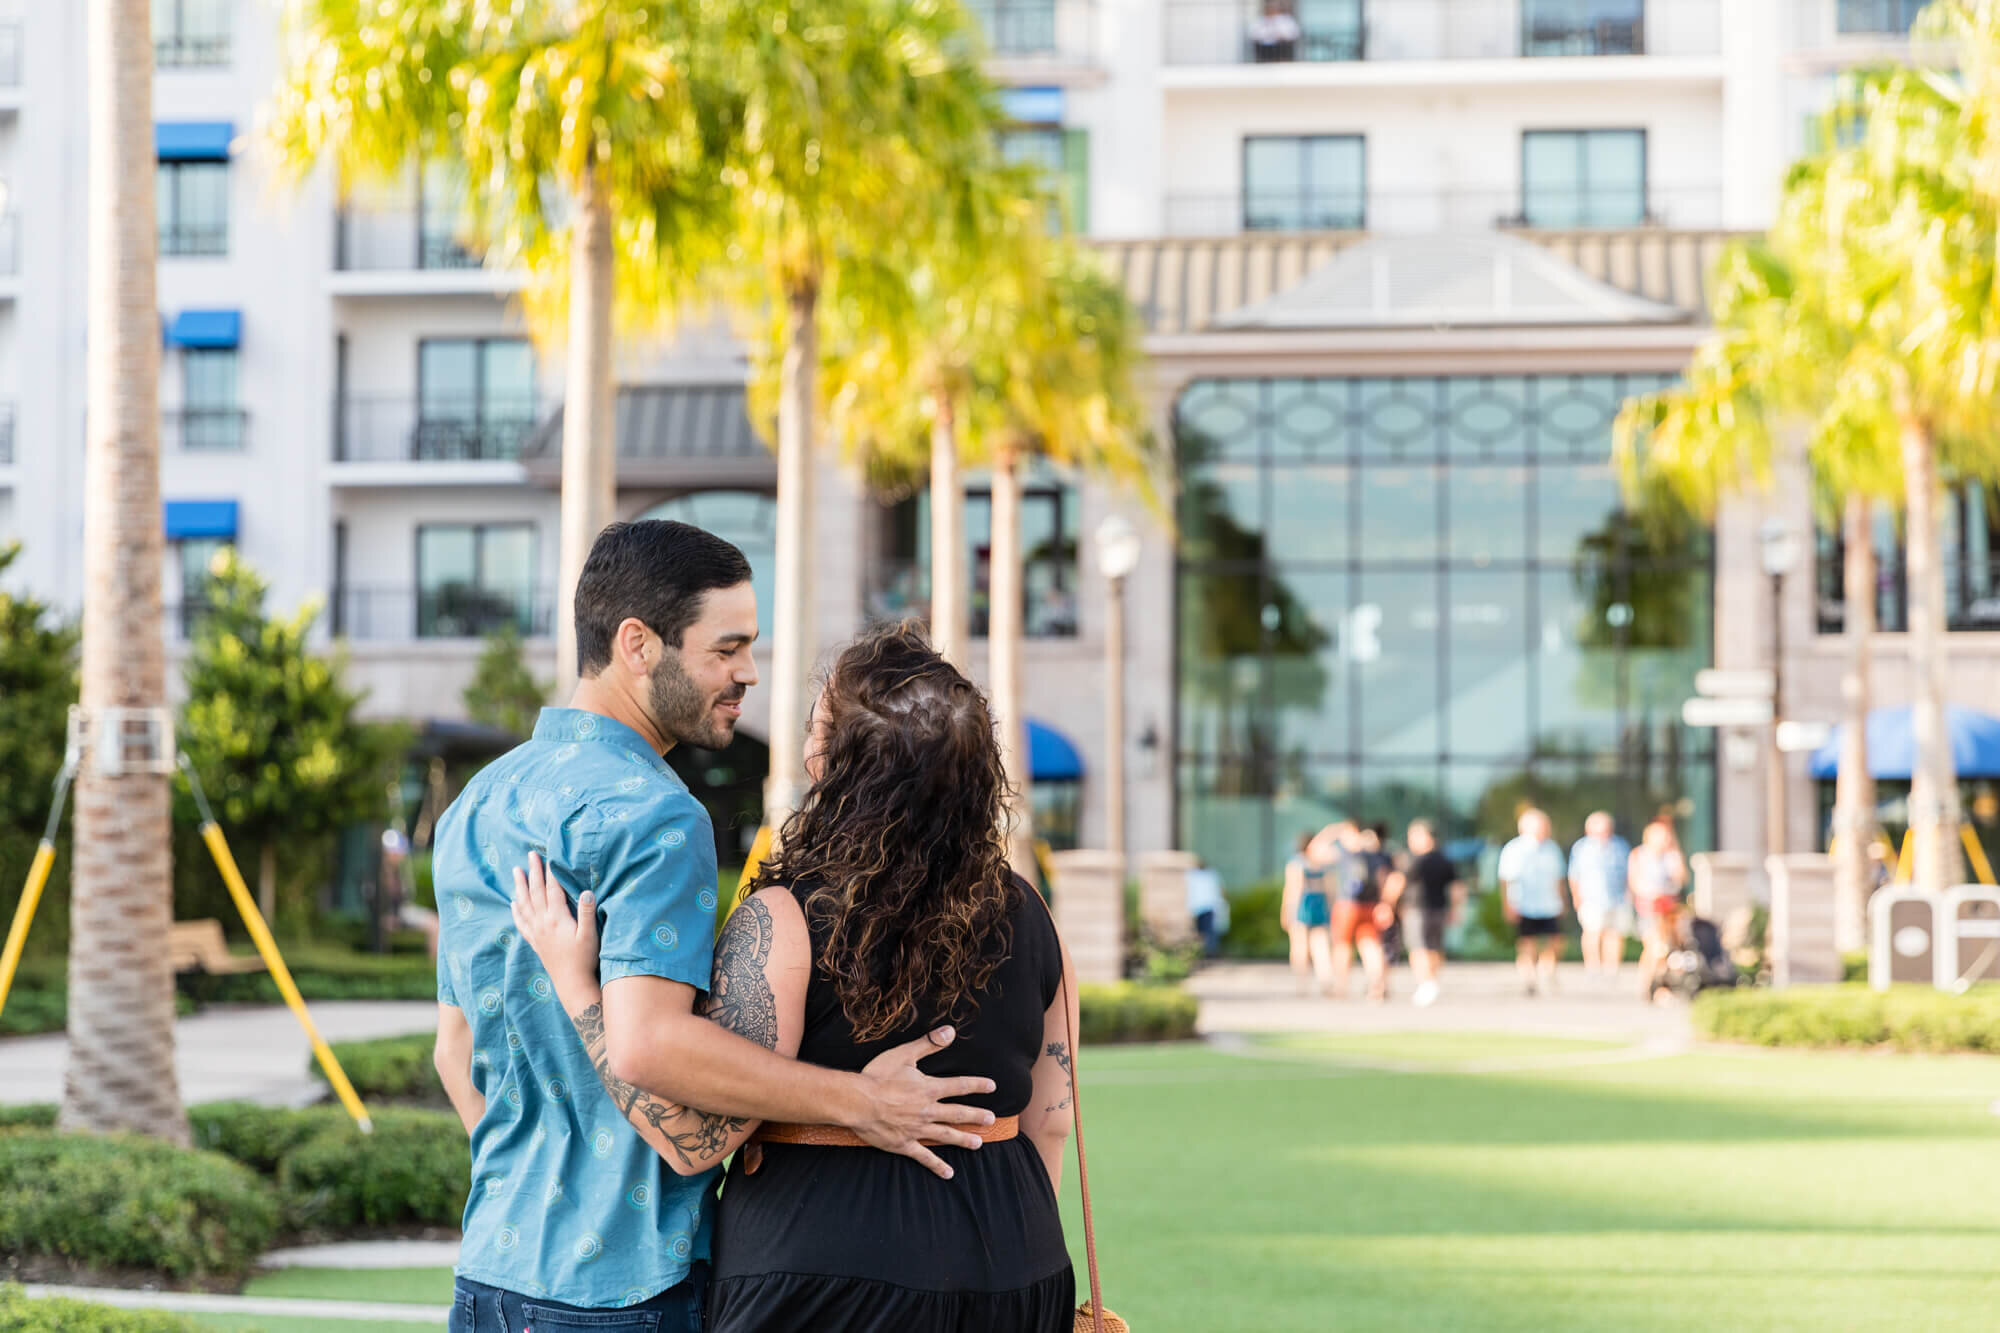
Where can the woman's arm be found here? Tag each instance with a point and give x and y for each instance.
(453, 1058)
(1051, 1107)
(758, 991)
(1288, 907)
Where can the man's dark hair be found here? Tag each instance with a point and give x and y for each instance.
(656, 571)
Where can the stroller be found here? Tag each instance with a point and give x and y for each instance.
(1698, 964)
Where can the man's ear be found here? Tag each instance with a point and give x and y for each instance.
(630, 646)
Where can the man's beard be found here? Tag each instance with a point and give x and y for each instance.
(683, 715)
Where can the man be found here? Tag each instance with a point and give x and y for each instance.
(1356, 929)
(1208, 906)
(572, 1219)
(1427, 890)
(1531, 880)
(1597, 886)
(1274, 34)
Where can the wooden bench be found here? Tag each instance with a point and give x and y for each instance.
(198, 946)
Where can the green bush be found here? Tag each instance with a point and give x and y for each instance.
(34, 1115)
(18, 1314)
(414, 1168)
(1906, 1018)
(260, 1137)
(34, 1009)
(390, 1068)
(1254, 928)
(1131, 1011)
(335, 974)
(132, 1202)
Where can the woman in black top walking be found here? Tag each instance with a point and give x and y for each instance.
(889, 911)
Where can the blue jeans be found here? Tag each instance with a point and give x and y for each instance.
(478, 1308)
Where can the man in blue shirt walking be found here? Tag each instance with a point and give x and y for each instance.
(571, 1215)
(1531, 877)
(1597, 865)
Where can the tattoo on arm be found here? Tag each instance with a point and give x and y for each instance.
(1061, 1052)
(739, 995)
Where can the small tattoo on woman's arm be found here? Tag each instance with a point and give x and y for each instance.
(1061, 1052)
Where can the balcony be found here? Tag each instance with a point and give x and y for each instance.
(194, 240)
(10, 251)
(404, 441)
(1420, 211)
(1242, 32)
(191, 50)
(10, 65)
(204, 429)
(448, 611)
(1032, 41)
(406, 251)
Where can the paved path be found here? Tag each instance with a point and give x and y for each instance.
(1477, 997)
(264, 1307)
(255, 1053)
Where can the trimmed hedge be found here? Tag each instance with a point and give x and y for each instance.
(18, 1314)
(395, 1069)
(333, 974)
(413, 1170)
(34, 1115)
(1131, 1011)
(1904, 1018)
(131, 1202)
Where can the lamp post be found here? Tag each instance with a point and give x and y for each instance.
(1778, 549)
(1117, 557)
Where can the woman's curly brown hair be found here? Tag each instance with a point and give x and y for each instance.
(898, 849)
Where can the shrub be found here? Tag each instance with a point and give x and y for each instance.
(131, 1202)
(391, 1068)
(336, 974)
(260, 1137)
(1130, 1011)
(1907, 1018)
(18, 1314)
(34, 1009)
(34, 1115)
(414, 1169)
(1254, 928)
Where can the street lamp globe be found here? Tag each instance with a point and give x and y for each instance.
(1778, 544)
(1117, 547)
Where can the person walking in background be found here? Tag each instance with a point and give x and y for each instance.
(1208, 907)
(1597, 866)
(1307, 913)
(1657, 872)
(1426, 891)
(1531, 881)
(1357, 893)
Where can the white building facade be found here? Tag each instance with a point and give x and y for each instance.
(1400, 260)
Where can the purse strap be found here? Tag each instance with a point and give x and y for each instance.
(1076, 1116)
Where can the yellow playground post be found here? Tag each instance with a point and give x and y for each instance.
(38, 879)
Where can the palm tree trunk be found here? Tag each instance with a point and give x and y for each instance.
(951, 621)
(589, 443)
(121, 993)
(794, 632)
(1933, 779)
(1004, 632)
(1854, 787)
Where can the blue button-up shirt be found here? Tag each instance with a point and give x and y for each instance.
(1533, 873)
(567, 1201)
(1599, 868)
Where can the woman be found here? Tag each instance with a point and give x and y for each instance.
(1307, 914)
(1656, 872)
(889, 911)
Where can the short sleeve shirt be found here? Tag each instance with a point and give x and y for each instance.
(1434, 875)
(567, 1202)
(1532, 873)
(1599, 868)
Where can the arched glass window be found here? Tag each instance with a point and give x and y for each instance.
(747, 518)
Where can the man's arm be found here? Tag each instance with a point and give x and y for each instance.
(453, 1058)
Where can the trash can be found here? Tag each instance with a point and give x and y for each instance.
(1968, 937)
(1903, 931)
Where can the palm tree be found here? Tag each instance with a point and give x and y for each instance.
(121, 994)
(850, 108)
(616, 102)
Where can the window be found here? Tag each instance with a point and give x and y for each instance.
(190, 33)
(193, 205)
(1583, 178)
(441, 218)
(1063, 156)
(210, 417)
(194, 556)
(1970, 553)
(1049, 526)
(1890, 17)
(472, 579)
(1017, 27)
(746, 519)
(1280, 31)
(1304, 183)
(1583, 27)
(476, 398)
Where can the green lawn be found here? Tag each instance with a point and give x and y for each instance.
(1298, 1187)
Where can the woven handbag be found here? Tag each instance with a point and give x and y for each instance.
(1091, 1317)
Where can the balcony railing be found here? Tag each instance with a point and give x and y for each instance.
(402, 430)
(1419, 211)
(1971, 596)
(191, 50)
(1055, 30)
(449, 611)
(194, 239)
(10, 55)
(10, 245)
(367, 241)
(1880, 18)
(204, 429)
(1232, 32)
(6, 435)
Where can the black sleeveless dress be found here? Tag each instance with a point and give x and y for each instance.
(842, 1240)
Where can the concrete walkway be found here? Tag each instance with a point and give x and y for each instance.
(364, 1313)
(1477, 997)
(255, 1053)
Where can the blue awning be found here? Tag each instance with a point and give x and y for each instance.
(206, 328)
(192, 140)
(1051, 757)
(201, 518)
(1892, 744)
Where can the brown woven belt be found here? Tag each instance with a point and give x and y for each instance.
(833, 1136)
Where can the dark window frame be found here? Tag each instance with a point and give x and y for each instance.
(207, 427)
(1582, 135)
(471, 436)
(178, 49)
(1528, 40)
(179, 238)
(427, 616)
(1357, 220)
